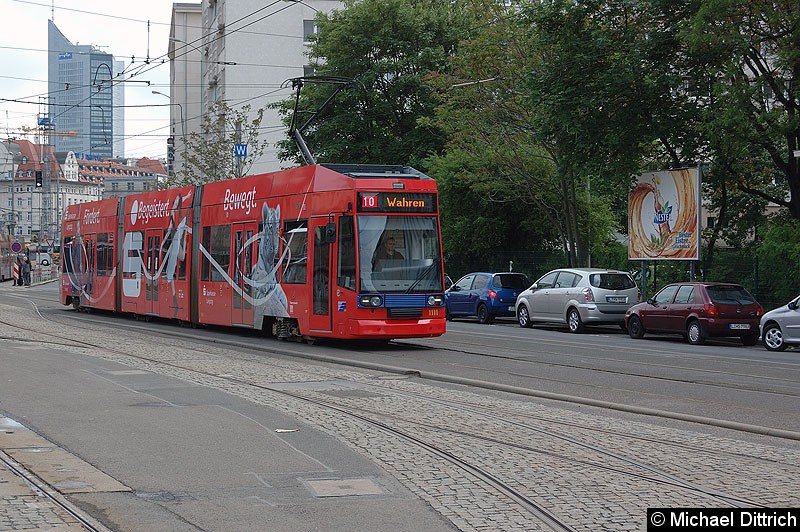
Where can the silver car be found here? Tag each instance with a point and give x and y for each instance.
(780, 328)
(578, 297)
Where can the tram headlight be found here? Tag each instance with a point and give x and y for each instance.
(371, 301)
(435, 301)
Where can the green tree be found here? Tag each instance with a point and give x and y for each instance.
(778, 252)
(503, 114)
(751, 54)
(602, 95)
(484, 223)
(210, 153)
(388, 47)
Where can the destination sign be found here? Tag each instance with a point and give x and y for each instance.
(396, 202)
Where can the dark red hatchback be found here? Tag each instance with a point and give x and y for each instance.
(698, 311)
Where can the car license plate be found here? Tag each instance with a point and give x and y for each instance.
(617, 299)
(740, 326)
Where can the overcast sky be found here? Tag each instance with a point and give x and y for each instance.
(118, 28)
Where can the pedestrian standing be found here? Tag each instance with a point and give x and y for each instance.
(26, 271)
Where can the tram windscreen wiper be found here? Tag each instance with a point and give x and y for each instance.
(423, 273)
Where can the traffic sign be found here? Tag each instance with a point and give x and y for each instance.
(16, 247)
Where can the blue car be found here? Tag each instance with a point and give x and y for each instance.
(485, 295)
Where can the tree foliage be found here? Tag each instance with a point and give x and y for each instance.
(750, 54)
(210, 153)
(388, 47)
(517, 126)
(779, 255)
(537, 116)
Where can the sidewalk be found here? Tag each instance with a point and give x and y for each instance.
(27, 502)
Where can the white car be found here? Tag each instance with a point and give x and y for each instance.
(780, 328)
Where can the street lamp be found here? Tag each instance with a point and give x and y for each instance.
(183, 127)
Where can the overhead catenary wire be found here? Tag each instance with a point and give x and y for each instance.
(126, 74)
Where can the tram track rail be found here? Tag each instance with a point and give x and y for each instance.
(646, 471)
(479, 349)
(544, 516)
(281, 348)
(776, 382)
(284, 349)
(43, 489)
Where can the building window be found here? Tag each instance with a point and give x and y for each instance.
(114, 186)
(309, 30)
(131, 185)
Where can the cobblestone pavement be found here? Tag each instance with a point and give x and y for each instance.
(29, 512)
(23, 507)
(583, 467)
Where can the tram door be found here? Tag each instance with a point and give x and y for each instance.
(152, 264)
(90, 243)
(322, 271)
(78, 260)
(244, 254)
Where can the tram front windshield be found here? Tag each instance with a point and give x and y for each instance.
(399, 254)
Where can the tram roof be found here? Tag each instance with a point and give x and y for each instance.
(376, 171)
(317, 178)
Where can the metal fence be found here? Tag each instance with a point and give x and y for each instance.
(771, 286)
(42, 274)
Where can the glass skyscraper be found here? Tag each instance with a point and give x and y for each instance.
(84, 101)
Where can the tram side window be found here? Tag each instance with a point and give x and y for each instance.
(67, 255)
(347, 253)
(295, 237)
(217, 241)
(173, 251)
(205, 265)
(91, 263)
(105, 254)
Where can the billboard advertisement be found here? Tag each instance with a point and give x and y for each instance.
(664, 216)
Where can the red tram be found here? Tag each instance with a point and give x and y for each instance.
(320, 251)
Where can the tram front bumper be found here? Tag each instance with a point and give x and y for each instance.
(381, 329)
